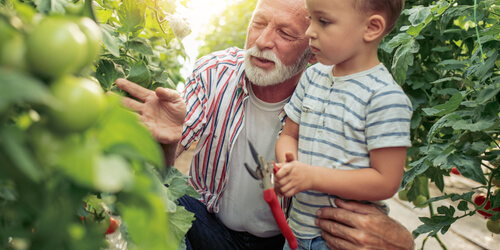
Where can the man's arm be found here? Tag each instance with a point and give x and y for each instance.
(354, 225)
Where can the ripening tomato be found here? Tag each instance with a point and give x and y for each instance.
(81, 102)
(56, 47)
(454, 170)
(479, 200)
(113, 225)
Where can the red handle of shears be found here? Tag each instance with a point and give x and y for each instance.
(272, 200)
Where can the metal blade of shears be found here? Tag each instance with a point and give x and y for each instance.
(256, 174)
(255, 155)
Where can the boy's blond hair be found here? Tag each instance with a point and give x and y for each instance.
(390, 9)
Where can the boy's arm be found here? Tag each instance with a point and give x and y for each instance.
(287, 141)
(379, 182)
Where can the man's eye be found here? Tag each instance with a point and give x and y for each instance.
(286, 35)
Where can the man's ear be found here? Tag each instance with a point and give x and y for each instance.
(313, 59)
(375, 28)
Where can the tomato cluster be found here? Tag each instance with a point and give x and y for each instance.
(55, 50)
(493, 226)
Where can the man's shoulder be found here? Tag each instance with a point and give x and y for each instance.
(232, 57)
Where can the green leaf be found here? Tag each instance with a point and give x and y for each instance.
(403, 58)
(463, 206)
(139, 73)
(110, 39)
(141, 46)
(16, 87)
(132, 16)
(11, 142)
(179, 223)
(468, 166)
(445, 108)
(447, 120)
(112, 174)
(418, 167)
(120, 126)
(418, 14)
(107, 73)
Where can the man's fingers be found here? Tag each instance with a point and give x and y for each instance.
(337, 243)
(133, 88)
(357, 207)
(167, 94)
(133, 104)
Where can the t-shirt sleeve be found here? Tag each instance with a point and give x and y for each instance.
(293, 108)
(388, 118)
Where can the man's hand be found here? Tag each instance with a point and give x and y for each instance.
(163, 111)
(354, 225)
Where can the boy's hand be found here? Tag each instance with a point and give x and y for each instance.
(292, 177)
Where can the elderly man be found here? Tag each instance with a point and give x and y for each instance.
(235, 96)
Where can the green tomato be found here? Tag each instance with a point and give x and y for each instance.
(403, 195)
(493, 226)
(81, 102)
(94, 38)
(12, 53)
(419, 200)
(74, 8)
(56, 47)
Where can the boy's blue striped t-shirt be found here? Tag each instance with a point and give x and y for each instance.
(341, 119)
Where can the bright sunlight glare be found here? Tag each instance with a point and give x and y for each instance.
(198, 14)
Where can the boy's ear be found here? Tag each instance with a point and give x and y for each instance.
(375, 28)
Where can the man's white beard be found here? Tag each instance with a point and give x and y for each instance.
(279, 74)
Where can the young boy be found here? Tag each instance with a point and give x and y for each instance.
(354, 118)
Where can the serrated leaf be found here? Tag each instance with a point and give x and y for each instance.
(141, 47)
(110, 39)
(463, 206)
(445, 108)
(403, 58)
(139, 73)
(132, 16)
(468, 166)
(418, 14)
(107, 73)
(179, 223)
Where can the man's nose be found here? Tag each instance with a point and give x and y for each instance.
(266, 39)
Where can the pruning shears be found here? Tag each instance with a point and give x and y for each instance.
(265, 173)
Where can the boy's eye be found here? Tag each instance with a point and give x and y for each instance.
(323, 21)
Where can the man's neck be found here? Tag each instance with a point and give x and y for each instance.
(278, 92)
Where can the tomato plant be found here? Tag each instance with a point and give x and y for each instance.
(445, 56)
(62, 141)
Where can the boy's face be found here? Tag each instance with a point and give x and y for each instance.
(336, 31)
